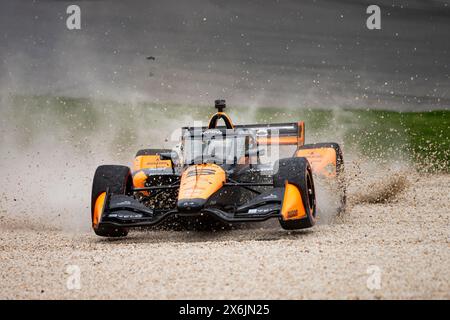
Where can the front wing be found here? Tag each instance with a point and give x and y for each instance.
(126, 211)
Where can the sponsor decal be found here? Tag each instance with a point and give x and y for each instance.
(125, 216)
(261, 133)
(123, 203)
(211, 132)
(259, 210)
(292, 213)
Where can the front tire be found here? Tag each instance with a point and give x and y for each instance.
(297, 171)
(115, 180)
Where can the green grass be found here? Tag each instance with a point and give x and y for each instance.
(422, 138)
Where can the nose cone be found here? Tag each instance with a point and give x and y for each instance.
(191, 205)
(197, 184)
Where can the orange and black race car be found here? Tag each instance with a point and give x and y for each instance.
(220, 175)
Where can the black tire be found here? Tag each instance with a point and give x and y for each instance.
(152, 152)
(297, 171)
(340, 172)
(119, 181)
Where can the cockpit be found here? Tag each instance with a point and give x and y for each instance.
(219, 146)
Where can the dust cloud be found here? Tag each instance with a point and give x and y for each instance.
(48, 160)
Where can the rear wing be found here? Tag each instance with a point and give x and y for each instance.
(292, 133)
(279, 133)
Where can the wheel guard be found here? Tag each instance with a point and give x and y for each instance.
(322, 160)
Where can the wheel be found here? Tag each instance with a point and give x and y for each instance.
(116, 179)
(297, 171)
(337, 185)
(152, 152)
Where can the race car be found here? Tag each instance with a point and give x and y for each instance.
(220, 175)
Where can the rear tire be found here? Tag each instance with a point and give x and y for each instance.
(116, 179)
(297, 171)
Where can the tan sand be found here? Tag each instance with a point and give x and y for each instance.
(405, 242)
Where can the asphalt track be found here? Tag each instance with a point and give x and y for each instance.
(309, 54)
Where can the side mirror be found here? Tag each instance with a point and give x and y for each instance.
(168, 155)
(172, 156)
